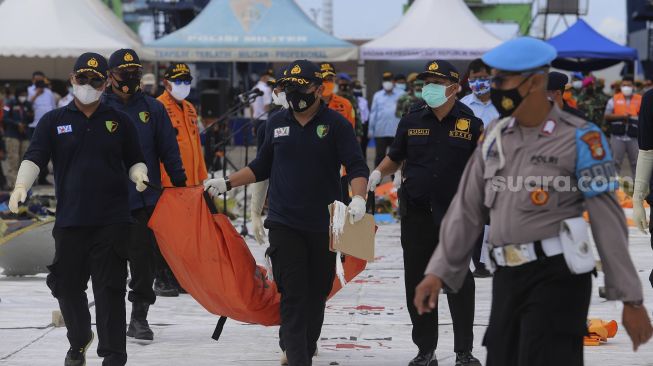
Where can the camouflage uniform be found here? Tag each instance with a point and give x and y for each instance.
(593, 105)
(354, 103)
(405, 102)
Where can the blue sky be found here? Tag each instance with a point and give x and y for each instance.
(364, 19)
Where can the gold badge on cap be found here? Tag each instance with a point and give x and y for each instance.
(92, 63)
(128, 57)
(433, 66)
(507, 103)
(296, 70)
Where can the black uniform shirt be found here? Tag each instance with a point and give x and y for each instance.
(645, 132)
(303, 165)
(435, 153)
(91, 159)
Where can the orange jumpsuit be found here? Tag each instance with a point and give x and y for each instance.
(184, 122)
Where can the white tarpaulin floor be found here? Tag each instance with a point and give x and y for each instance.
(366, 323)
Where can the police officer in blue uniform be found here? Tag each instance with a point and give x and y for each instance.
(435, 140)
(302, 153)
(159, 144)
(95, 151)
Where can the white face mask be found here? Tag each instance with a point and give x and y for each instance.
(179, 92)
(280, 99)
(577, 84)
(86, 94)
(22, 99)
(627, 90)
(388, 85)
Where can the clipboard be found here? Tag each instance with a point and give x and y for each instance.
(357, 240)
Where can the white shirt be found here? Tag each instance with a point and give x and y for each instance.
(43, 104)
(258, 105)
(65, 100)
(363, 109)
(485, 111)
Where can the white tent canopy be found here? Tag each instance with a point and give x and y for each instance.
(433, 29)
(49, 34)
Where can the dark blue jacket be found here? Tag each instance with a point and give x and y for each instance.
(303, 165)
(158, 142)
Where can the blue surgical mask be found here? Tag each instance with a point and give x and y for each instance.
(435, 95)
(418, 94)
(480, 86)
(401, 86)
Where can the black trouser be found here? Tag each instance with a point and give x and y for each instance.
(538, 316)
(419, 238)
(365, 140)
(382, 146)
(344, 190)
(303, 268)
(476, 256)
(142, 260)
(98, 252)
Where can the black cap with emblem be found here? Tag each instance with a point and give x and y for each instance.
(124, 58)
(178, 71)
(302, 72)
(440, 68)
(91, 62)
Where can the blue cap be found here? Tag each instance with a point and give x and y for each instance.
(520, 54)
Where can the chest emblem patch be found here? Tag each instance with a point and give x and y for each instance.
(593, 141)
(64, 129)
(144, 116)
(418, 132)
(461, 129)
(539, 197)
(112, 126)
(281, 131)
(322, 131)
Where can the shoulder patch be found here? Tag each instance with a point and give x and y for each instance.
(595, 170)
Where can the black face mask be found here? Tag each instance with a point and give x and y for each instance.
(507, 101)
(129, 86)
(358, 92)
(299, 102)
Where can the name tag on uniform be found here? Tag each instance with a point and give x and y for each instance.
(281, 131)
(64, 129)
(418, 132)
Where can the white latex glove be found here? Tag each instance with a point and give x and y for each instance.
(138, 175)
(356, 209)
(374, 180)
(259, 191)
(397, 181)
(642, 179)
(27, 174)
(215, 186)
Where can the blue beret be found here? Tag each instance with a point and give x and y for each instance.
(520, 54)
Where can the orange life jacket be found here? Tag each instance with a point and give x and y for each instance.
(184, 121)
(622, 107)
(344, 107)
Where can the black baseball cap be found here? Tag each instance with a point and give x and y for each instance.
(441, 69)
(177, 71)
(92, 62)
(302, 72)
(557, 81)
(124, 57)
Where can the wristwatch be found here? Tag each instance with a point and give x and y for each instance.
(227, 182)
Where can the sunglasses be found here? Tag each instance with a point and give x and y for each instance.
(95, 82)
(179, 82)
(128, 75)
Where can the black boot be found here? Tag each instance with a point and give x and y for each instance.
(424, 359)
(466, 359)
(77, 356)
(139, 329)
(164, 288)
